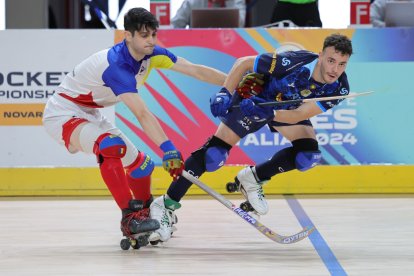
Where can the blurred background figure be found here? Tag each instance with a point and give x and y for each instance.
(303, 13)
(183, 17)
(377, 11)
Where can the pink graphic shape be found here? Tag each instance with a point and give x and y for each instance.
(195, 133)
(227, 41)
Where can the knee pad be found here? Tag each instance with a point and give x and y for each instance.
(213, 154)
(141, 167)
(306, 160)
(307, 154)
(215, 157)
(109, 145)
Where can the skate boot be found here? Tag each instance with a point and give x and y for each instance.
(162, 210)
(136, 224)
(252, 189)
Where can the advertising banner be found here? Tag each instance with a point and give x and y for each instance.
(33, 63)
(367, 130)
(374, 129)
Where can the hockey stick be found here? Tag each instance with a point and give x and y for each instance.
(252, 221)
(105, 20)
(321, 99)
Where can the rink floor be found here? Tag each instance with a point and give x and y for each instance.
(356, 235)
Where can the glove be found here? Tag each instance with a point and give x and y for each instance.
(220, 102)
(250, 85)
(172, 161)
(255, 112)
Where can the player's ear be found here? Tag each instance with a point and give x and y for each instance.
(320, 53)
(127, 35)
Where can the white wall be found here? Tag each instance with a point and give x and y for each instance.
(335, 13)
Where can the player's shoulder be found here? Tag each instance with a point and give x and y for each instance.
(343, 83)
(119, 54)
(163, 52)
(302, 56)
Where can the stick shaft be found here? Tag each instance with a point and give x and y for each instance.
(321, 99)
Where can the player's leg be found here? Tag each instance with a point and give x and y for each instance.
(209, 157)
(302, 155)
(139, 176)
(109, 150)
(78, 130)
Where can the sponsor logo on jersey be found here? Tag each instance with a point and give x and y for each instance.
(285, 62)
(278, 97)
(319, 93)
(305, 93)
(244, 125)
(273, 64)
(343, 91)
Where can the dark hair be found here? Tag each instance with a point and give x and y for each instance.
(137, 18)
(340, 42)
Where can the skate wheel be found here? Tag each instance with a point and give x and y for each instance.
(125, 244)
(135, 244)
(154, 242)
(142, 241)
(246, 206)
(231, 187)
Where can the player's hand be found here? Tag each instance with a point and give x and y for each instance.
(250, 85)
(251, 109)
(220, 102)
(172, 161)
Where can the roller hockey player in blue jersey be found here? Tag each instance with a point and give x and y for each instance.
(72, 116)
(274, 77)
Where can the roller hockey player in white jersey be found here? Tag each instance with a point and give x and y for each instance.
(274, 76)
(113, 75)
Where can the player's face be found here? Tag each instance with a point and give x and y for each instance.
(333, 64)
(142, 43)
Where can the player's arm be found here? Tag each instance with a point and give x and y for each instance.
(239, 69)
(198, 71)
(303, 112)
(220, 102)
(147, 120)
(172, 160)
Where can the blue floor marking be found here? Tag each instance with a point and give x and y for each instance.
(316, 238)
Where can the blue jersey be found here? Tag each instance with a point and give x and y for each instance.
(288, 77)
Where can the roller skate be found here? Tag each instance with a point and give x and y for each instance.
(233, 187)
(136, 225)
(246, 182)
(162, 210)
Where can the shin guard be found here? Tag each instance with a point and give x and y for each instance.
(109, 150)
(139, 176)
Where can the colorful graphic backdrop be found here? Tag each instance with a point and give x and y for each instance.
(375, 129)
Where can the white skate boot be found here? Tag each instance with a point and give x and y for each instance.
(162, 210)
(252, 189)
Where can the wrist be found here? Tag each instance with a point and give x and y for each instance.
(167, 146)
(224, 90)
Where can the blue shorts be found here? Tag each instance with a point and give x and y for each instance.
(240, 124)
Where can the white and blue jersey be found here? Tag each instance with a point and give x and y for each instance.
(287, 76)
(100, 79)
